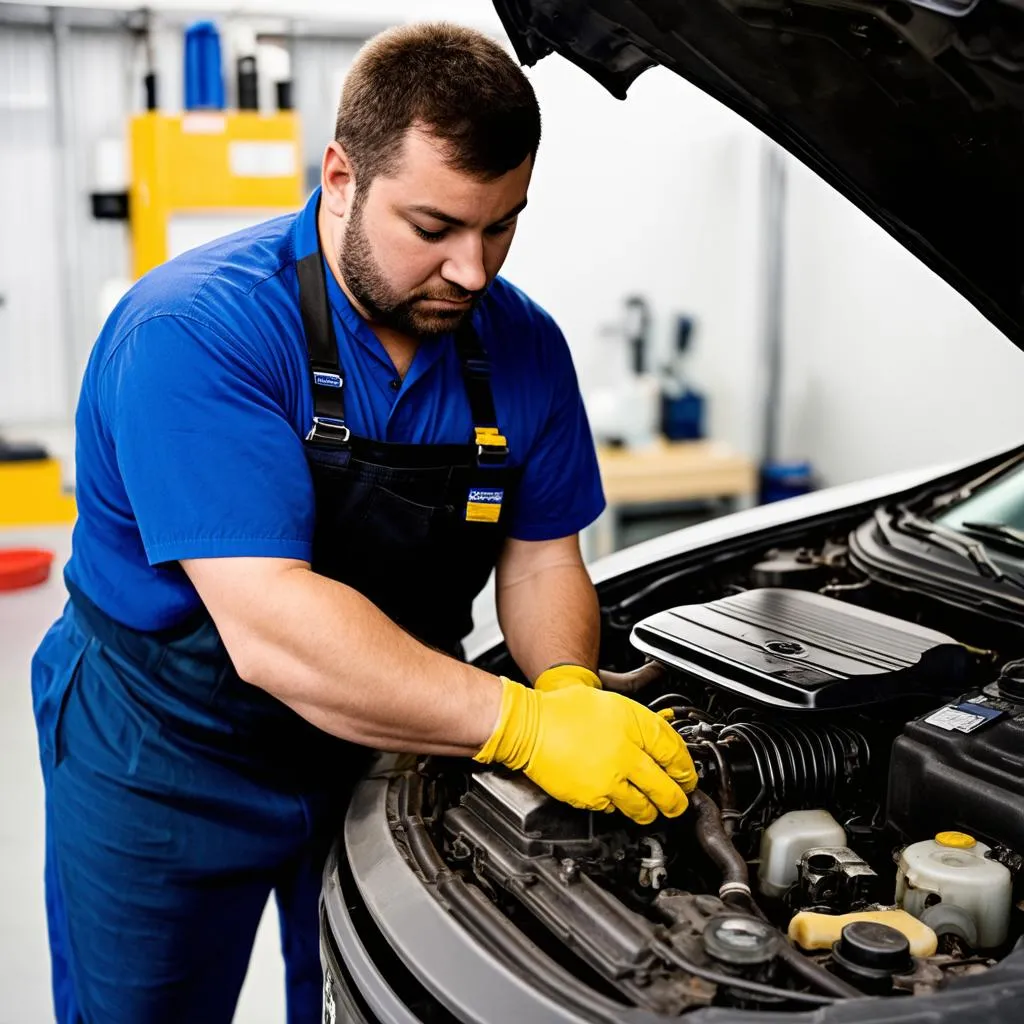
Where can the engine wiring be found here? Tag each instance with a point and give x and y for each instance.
(673, 956)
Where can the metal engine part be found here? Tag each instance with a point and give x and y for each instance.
(836, 880)
(550, 873)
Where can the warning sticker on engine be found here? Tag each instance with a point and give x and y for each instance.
(964, 717)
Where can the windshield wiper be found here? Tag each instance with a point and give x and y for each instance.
(963, 493)
(1008, 535)
(953, 540)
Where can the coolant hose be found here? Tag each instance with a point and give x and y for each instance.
(631, 682)
(719, 847)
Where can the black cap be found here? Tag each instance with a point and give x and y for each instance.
(873, 950)
(1011, 681)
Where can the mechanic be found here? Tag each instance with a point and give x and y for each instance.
(301, 451)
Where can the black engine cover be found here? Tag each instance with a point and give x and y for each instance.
(796, 649)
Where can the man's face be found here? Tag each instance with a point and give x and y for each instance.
(421, 247)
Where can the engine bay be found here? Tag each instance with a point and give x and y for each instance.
(858, 828)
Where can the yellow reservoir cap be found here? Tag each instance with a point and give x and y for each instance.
(957, 840)
(820, 931)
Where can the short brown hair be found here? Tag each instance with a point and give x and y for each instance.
(460, 85)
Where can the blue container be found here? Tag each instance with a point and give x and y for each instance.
(204, 77)
(682, 416)
(781, 480)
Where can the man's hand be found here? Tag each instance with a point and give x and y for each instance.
(592, 749)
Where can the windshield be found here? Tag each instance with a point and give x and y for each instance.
(1001, 501)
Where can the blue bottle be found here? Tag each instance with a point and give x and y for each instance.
(204, 78)
(781, 480)
(682, 415)
(682, 407)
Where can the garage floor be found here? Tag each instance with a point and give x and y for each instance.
(24, 965)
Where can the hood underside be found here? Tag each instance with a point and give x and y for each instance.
(914, 111)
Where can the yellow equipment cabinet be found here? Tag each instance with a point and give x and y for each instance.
(222, 166)
(31, 494)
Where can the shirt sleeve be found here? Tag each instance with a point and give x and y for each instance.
(211, 464)
(561, 490)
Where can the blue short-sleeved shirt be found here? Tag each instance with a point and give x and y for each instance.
(196, 400)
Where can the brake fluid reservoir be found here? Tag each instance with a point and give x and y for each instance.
(952, 868)
(787, 839)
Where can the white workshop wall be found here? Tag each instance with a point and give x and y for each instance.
(657, 196)
(56, 104)
(887, 366)
(33, 377)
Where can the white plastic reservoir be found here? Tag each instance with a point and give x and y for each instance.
(787, 839)
(952, 867)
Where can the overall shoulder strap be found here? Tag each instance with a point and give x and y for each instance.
(326, 376)
(492, 446)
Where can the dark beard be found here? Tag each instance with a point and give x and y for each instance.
(382, 304)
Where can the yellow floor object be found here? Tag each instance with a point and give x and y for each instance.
(820, 931)
(31, 493)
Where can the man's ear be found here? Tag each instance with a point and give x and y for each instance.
(337, 180)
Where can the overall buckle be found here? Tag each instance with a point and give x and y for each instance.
(329, 430)
(491, 445)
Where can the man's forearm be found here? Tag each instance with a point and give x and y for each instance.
(337, 660)
(551, 617)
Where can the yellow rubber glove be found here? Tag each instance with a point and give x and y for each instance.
(559, 676)
(593, 749)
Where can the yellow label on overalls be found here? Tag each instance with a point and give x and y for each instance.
(484, 504)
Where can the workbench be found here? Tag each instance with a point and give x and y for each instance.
(665, 474)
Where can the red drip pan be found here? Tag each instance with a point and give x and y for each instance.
(24, 567)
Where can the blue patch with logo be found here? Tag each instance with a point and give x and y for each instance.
(484, 504)
(327, 380)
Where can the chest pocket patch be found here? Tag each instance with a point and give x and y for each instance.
(484, 504)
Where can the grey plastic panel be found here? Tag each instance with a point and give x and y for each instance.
(373, 986)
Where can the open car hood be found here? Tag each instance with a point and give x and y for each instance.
(913, 110)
